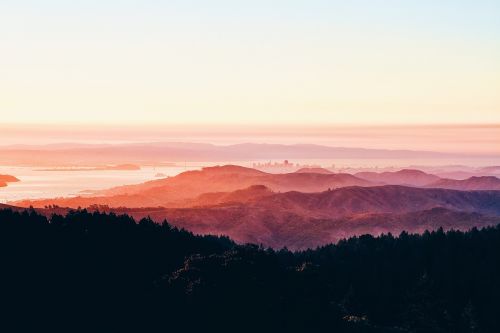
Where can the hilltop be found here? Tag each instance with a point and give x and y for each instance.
(175, 191)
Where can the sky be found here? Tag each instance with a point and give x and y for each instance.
(259, 62)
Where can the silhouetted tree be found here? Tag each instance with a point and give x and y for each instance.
(97, 272)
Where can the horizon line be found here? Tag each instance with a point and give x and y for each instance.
(247, 125)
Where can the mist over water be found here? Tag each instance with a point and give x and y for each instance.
(35, 183)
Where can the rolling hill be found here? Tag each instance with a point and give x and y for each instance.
(314, 170)
(297, 210)
(300, 220)
(403, 177)
(472, 183)
(175, 191)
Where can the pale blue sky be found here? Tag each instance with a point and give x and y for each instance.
(303, 62)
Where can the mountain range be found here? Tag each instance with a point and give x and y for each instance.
(301, 220)
(301, 209)
(162, 152)
(174, 191)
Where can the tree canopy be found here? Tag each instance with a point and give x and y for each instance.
(100, 272)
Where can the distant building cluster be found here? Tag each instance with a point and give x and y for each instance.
(284, 166)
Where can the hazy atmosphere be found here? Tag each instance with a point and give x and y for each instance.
(255, 62)
(250, 166)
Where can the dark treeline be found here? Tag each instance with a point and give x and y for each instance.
(98, 272)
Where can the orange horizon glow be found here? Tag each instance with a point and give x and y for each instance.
(418, 76)
(473, 139)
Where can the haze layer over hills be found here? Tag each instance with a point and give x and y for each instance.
(161, 152)
(302, 209)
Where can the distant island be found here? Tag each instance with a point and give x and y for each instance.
(120, 167)
(4, 179)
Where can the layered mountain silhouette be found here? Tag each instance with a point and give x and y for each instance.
(174, 191)
(301, 209)
(157, 152)
(302, 220)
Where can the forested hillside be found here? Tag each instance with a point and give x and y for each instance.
(98, 272)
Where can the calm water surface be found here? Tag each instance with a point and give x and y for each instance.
(48, 184)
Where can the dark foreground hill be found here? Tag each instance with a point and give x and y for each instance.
(106, 273)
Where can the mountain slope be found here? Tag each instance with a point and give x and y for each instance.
(402, 177)
(300, 220)
(472, 183)
(384, 199)
(251, 193)
(287, 229)
(314, 170)
(174, 191)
